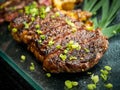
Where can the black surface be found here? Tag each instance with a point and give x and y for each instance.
(10, 79)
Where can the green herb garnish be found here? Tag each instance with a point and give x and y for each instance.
(51, 42)
(58, 46)
(109, 85)
(32, 66)
(91, 86)
(95, 78)
(63, 57)
(14, 30)
(23, 58)
(48, 75)
(39, 31)
(108, 68)
(70, 84)
(69, 22)
(73, 58)
(42, 37)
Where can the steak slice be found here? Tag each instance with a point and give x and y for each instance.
(61, 43)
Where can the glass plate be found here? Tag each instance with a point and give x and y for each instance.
(11, 51)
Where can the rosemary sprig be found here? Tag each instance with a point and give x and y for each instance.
(108, 14)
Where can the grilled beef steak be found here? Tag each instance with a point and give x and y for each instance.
(61, 43)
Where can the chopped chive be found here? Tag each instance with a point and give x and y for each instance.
(63, 57)
(14, 30)
(95, 78)
(105, 72)
(87, 50)
(74, 83)
(69, 22)
(58, 46)
(39, 31)
(91, 86)
(74, 29)
(108, 68)
(109, 85)
(65, 51)
(68, 84)
(73, 58)
(42, 37)
(51, 42)
(48, 74)
(32, 66)
(23, 58)
(104, 77)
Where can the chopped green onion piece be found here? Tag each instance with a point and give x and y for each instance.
(87, 50)
(95, 78)
(109, 85)
(39, 31)
(105, 72)
(58, 46)
(73, 58)
(32, 66)
(23, 58)
(65, 51)
(42, 12)
(69, 22)
(91, 86)
(48, 74)
(108, 68)
(26, 25)
(14, 30)
(57, 14)
(68, 84)
(74, 83)
(51, 42)
(63, 57)
(76, 46)
(42, 37)
(37, 26)
(74, 29)
(39, 41)
(104, 77)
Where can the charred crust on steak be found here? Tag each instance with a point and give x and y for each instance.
(57, 31)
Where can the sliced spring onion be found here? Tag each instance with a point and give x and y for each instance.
(108, 68)
(63, 57)
(14, 30)
(23, 58)
(109, 85)
(91, 86)
(95, 78)
(32, 66)
(48, 74)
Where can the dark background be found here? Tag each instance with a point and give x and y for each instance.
(10, 79)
